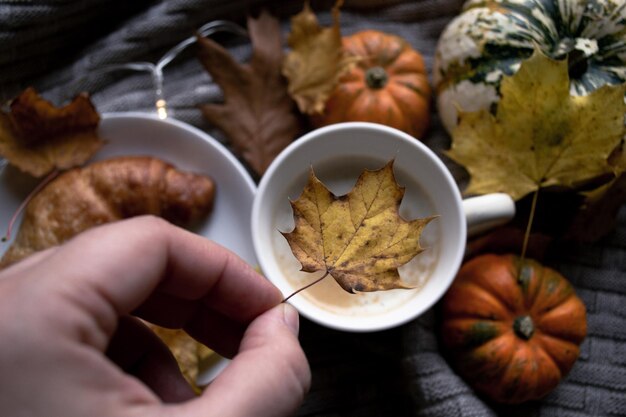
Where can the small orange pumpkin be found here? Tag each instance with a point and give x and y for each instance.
(512, 335)
(388, 84)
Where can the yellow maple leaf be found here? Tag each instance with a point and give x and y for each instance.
(540, 136)
(38, 137)
(359, 239)
(189, 353)
(316, 60)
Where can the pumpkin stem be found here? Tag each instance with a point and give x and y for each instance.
(376, 77)
(576, 64)
(577, 51)
(524, 327)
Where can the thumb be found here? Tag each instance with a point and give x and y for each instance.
(267, 378)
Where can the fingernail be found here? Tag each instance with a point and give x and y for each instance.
(291, 318)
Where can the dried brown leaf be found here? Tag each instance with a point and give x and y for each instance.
(257, 115)
(38, 137)
(598, 215)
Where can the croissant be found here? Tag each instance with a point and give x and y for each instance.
(107, 191)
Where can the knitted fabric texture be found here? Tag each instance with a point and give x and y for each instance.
(62, 47)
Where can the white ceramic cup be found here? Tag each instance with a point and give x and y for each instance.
(338, 154)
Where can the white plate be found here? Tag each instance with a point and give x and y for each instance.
(185, 147)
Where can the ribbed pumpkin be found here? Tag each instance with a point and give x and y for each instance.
(512, 336)
(388, 84)
(491, 37)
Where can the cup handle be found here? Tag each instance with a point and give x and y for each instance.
(487, 211)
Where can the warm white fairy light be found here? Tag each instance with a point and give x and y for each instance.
(161, 107)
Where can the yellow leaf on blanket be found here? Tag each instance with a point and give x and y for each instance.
(316, 60)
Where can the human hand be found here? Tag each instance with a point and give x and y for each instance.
(63, 308)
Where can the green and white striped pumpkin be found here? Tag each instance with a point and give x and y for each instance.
(490, 38)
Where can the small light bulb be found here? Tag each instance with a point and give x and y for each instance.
(161, 109)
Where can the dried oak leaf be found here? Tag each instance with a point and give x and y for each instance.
(540, 136)
(316, 60)
(258, 115)
(38, 137)
(359, 239)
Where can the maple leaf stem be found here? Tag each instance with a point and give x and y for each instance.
(531, 217)
(52, 175)
(305, 287)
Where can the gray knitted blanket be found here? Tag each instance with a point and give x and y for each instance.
(59, 47)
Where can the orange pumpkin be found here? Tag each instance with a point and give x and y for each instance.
(388, 84)
(512, 330)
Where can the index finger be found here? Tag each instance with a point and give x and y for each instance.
(173, 275)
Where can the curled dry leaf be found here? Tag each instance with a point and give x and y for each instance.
(38, 137)
(540, 136)
(359, 239)
(316, 61)
(257, 115)
(598, 214)
(189, 353)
